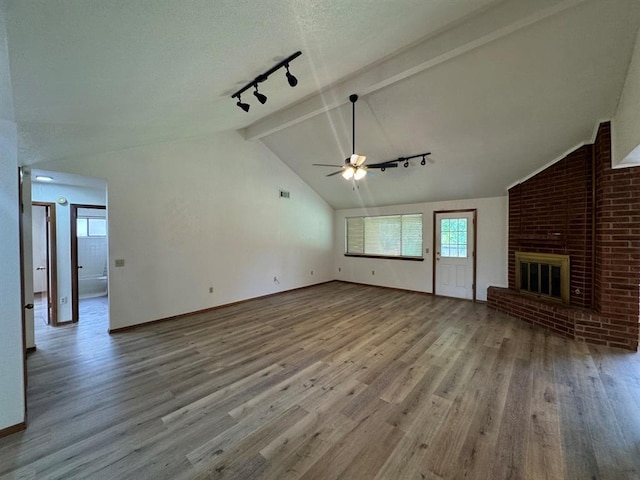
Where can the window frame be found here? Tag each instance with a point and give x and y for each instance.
(413, 258)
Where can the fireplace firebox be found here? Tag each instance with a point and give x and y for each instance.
(543, 275)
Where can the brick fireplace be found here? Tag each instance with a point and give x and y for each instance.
(581, 208)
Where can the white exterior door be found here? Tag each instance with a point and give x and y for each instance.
(455, 250)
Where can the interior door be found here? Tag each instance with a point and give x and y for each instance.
(88, 222)
(44, 262)
(26, 226)
(40, 263)
(454, 269)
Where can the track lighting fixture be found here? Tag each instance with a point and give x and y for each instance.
(406, 163)
(423, 162)
(262, 98)
(243, 106)
(293, 81)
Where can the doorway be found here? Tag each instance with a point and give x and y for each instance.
(89, 261)
(454, 273)
(43, 216)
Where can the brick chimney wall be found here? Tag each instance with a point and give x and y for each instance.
(583, 208)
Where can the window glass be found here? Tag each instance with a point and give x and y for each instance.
(91, 227)
(385, 235)
(453, 237)
(81, 227)
(97, 227)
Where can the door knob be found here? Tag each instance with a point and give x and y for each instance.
(41, 268)
(79, 266)
(29, 306)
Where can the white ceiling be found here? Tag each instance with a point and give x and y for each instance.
(493, 88)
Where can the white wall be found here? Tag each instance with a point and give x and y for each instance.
(191, 214)
(45, 192)
(12, 402)
(418, 276)
(626, 121)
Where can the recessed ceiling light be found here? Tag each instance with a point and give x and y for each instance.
(44, 178)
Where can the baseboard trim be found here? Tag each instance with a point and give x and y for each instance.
(19, 427)
(210, 309)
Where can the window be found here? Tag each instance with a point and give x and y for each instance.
(385, 236)
(91, 227)
(453, 237)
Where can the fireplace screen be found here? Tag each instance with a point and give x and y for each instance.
(543, 275)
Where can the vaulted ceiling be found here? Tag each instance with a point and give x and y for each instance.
(494, 89)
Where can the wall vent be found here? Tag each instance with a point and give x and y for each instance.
(284, 194)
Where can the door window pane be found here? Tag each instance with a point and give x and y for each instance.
(453, 237)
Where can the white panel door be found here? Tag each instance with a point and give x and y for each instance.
(454, 254)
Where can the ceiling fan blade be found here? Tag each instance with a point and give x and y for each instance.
(325, 165)
(334, 173)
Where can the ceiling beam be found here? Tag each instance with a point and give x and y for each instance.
(490, 25)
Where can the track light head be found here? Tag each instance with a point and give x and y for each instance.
(423, 161)
(262, 98)
(405, 164)
(293, 81)
(243, 106)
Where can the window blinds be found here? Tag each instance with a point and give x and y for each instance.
(387, 235)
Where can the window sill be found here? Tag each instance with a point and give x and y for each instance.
(386, 257)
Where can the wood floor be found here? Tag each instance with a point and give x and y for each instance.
(334, 381)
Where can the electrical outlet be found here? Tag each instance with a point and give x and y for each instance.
(311, 272)
(210, 289)
(63, 300)
(373, 272)
(339, 269)
(119, 262)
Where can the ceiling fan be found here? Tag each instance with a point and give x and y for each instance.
(354, 167)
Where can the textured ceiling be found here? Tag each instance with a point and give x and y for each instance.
(97, 75)
(490, 115)
(494, 89)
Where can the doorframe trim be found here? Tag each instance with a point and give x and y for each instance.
(475, 246)
(75, 301)
(52, 258)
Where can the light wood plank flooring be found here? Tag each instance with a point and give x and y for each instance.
(334, 381)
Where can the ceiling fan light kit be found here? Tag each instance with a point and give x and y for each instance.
(354, 168)
(262, 98)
